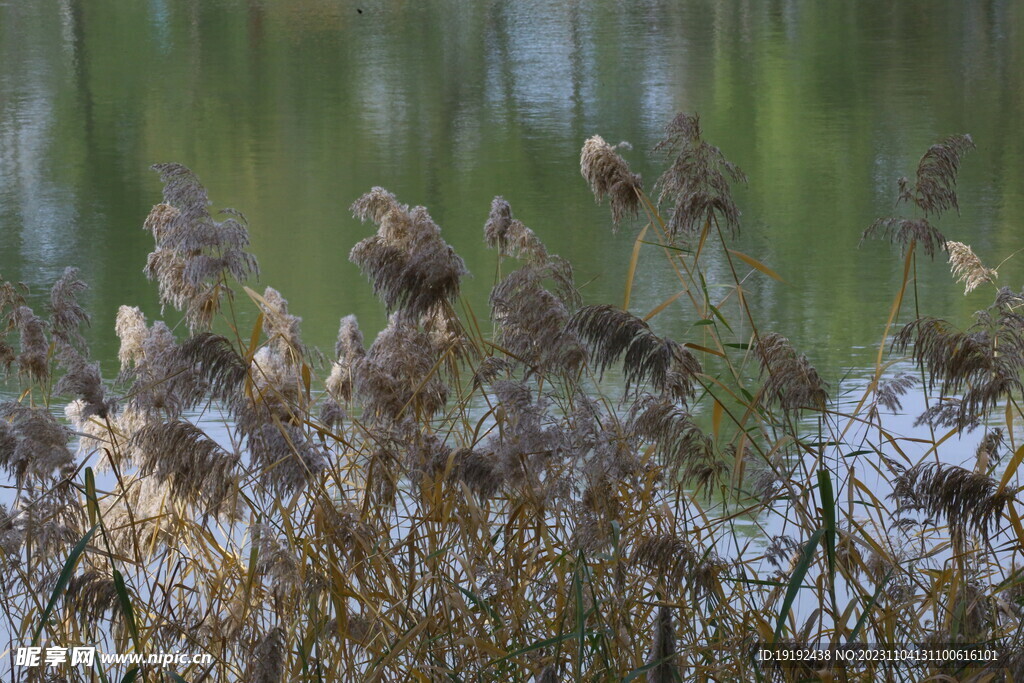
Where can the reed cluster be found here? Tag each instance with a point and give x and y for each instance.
(574, 495)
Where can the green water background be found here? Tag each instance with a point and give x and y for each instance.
(290, 110)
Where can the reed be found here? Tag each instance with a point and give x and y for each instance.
(446, 504)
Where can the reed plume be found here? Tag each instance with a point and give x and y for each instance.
(11, 536)
(12, 298)
(890, 391)
(93, 435)
(480, 472)
(268, 658)
(951, 356)
(611, 333)
(448, 339)
(549, 674)
(685, 451)
(490, 369)
(411, 267)
(967, 267)
(934, 189)
(530, 320)
(163, 383)
(678, 563)
(987, 454)
(194, 254)
(217, 364)
(90, 595)
(609, 176)
(130, 328)
(49, 524)
(194, 467)
(982, 365)
(967, 500)
(275, 558)
(907, 231)
(526, 451)
(698, 183)
(82, 380)
(278, 388)
(270, 415)
(280, 327)
(350, 340)
(34, 359)
(510, 236)
(33, 445)
(399, 373)
(288, 459)
(791, 381)
(66, 313)
(933, 192)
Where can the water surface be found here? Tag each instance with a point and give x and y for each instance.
(290, 110)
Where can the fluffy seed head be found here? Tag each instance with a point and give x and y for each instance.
(281, 328)
(792, 381)
(678, 563)
(82, 380)
(934, 189)
(350, 340)
(288, 458)
(967, 500)
(267, 664)
(66, 314)
(130, 328)
(412, 269)
(33, 445)
(981, 365)
(611, 333)
(608, 175)
(967, 267)
(398, 375)
(510, 236)
(531, 319)
(33, 361)
(905, 231)
(698, 182)
(195, 467)
(193, 253)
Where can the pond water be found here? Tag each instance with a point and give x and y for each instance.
(290, 110)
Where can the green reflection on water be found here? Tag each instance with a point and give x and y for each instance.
(290, 110)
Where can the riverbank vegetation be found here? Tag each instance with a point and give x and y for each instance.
(548, 490)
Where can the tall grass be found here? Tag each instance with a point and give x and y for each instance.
(453, 504)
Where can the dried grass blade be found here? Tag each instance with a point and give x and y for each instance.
(402, 643)
(1015, 521)
(254, 339)
(663, 305)
(1011, 468)
(716, 417)
(91, 501)
(755, 264)
(632, 265)
(698, 347)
